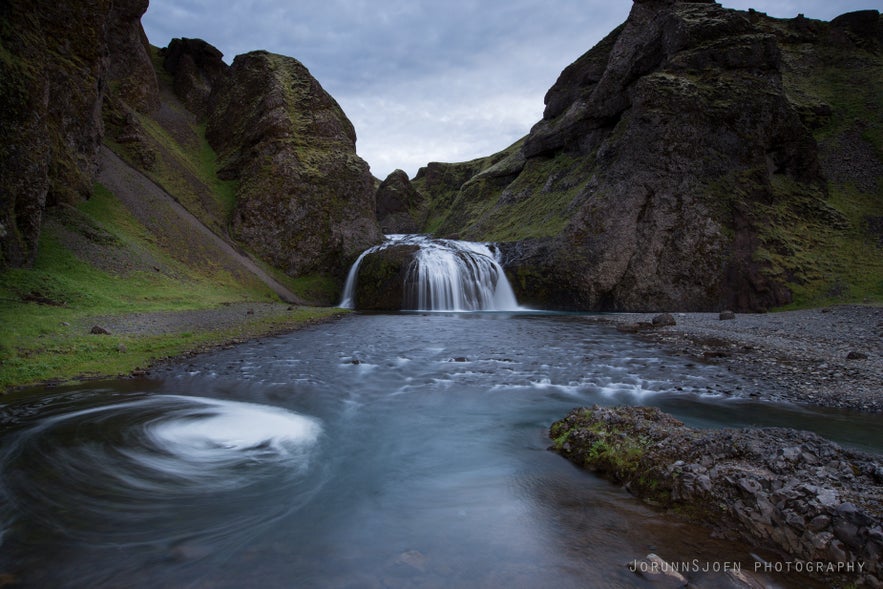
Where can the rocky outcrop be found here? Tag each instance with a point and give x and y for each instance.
(398, 204)
(674, 163)
(130, 67)
(305, 201)
(58, 60)
(789, 491)
(690, 96)
(197, 69)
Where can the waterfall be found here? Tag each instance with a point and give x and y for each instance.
(445, 275)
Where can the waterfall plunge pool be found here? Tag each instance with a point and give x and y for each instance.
(380, 450)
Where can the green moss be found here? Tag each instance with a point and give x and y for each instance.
(530, 200)
(45, 310)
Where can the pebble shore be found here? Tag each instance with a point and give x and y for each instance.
(829, 357)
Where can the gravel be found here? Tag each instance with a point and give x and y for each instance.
(169, 322)
(830, 357)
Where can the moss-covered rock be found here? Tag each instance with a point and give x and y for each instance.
(789, 491)
(305, 200)
(381, 282)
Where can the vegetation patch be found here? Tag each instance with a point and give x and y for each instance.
(47, 311)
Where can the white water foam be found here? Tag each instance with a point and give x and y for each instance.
(230, 425)
(446, 275)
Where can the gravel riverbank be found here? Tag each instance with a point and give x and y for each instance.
(830, 357)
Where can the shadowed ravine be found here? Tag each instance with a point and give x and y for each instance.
(390, 450)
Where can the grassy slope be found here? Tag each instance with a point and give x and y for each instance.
(840, 261)
(114, 266)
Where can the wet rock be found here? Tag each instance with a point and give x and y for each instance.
(663, 319)
(658, 571)
(413, 560)
(788, 491)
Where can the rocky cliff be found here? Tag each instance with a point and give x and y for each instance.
(287, 184)
(305, 200)
(694, 159)
(58, 60)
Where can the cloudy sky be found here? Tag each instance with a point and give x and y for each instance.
(427, 80)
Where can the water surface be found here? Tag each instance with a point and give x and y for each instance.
(402, 450)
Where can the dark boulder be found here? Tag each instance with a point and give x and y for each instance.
(381, 279)
(789, 491)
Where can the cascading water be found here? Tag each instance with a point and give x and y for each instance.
(446, 275)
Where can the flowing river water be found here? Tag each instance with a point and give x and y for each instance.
(378, 450)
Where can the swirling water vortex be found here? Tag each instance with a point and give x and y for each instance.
(157, 469)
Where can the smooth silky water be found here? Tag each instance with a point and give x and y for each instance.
(378, 450)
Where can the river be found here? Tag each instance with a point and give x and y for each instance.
(378, 450)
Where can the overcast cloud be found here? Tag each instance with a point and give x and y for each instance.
(423, 80)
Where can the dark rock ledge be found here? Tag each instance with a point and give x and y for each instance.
(788, 491)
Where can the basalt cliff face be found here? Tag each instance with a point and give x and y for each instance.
(305, 200)
(256, 150)
(58, 60)
(695, 159)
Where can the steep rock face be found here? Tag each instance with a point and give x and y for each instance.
(197, 69)
(397, 203)
(57, 59)
(305, 200)
(691, 96)
(128, 49)
(669, 159)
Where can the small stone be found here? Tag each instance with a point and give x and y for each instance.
(413, 559)
(856, 356)
(726, 315)
(663, 319)
(98, 330)
(658, 571)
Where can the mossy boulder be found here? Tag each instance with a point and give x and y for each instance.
(381, 279)
(779, 489)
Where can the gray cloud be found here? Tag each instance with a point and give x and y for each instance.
(425, 80)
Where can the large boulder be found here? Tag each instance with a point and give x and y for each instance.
(784, 490)
(381, 279)
(305, 200)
